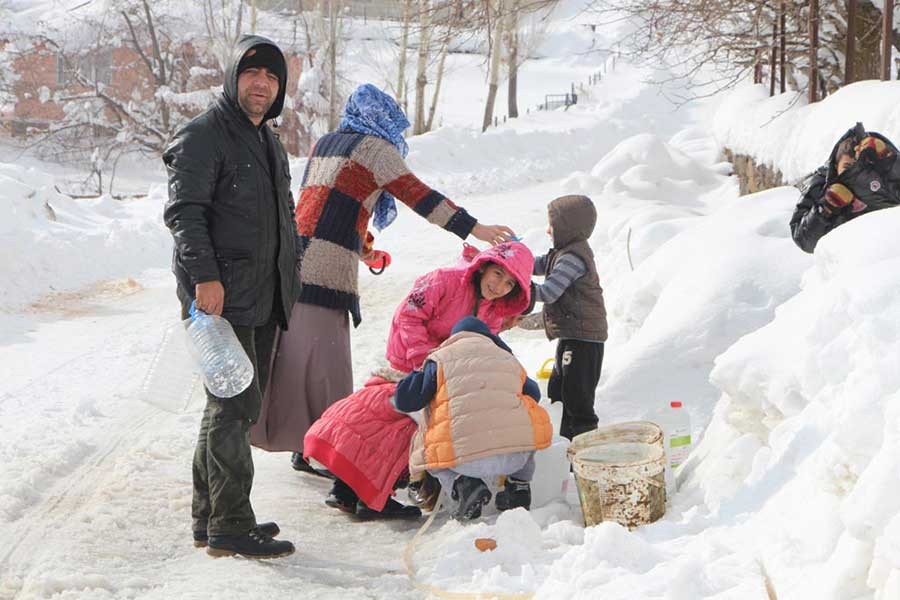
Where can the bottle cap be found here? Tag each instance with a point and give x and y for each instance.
(195, 313)
(675, 404)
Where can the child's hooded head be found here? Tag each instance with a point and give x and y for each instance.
(476, 325)
(502, 274)
(572, 219)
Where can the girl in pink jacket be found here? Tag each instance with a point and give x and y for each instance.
(362, 440)
(444, 296)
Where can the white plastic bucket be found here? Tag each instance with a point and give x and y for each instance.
(551, 473)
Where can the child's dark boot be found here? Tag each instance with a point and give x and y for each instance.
(471, 494)
(515, 494)
(342, 497)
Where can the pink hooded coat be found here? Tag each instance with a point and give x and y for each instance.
(362, 439)
(442, 297)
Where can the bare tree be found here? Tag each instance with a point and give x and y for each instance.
(730, 38)
(496, 38)
(404, 44)
(321, 87)
(98, 113)
(422, 65)
(224, 21)
(512, 61)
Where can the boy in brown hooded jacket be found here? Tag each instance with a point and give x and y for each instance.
(573, 311)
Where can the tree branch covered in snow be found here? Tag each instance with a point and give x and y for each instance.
(728, 40)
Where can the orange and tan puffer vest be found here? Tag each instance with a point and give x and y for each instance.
(479, 409)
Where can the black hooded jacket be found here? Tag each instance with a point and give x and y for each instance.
(230, 207)
(876, 186)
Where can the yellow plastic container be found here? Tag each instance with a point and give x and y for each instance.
(543, 376)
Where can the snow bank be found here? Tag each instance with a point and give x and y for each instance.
(794, 137)
(807, 429)
(54, 243)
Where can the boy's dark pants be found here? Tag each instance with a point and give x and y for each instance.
(223, 466)
(576, 371)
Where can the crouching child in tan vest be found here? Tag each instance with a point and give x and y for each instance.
(480, 420)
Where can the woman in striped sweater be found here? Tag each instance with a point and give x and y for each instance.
(353, 175)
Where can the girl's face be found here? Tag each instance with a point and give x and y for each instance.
(496, 282)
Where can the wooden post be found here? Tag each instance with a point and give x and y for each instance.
(782, 79)
(887, 33)
(850, 54)
(813, 51)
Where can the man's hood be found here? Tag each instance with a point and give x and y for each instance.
(572, 219)
(230, 87)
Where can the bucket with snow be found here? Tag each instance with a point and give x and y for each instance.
(637, 432)
(620, 476)
(624, 483)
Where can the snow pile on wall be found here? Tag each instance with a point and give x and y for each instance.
(51, 242)
(786, 133)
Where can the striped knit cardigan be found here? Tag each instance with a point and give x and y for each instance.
(344, 177)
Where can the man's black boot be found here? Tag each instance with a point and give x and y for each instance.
(252, 544)
(270, 529)
(471, 494)
(515, 494)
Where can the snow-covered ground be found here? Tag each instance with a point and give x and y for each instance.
(785, 361)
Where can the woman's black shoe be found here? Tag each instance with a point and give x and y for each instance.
(392, 510)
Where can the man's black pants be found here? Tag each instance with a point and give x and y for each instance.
(576, 371)
(223, 466)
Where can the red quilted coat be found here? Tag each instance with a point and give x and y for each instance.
(363, 441)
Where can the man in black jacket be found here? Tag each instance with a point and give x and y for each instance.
(230, 211)
(862, 175)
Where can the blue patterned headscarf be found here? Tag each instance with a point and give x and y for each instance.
(372, 112)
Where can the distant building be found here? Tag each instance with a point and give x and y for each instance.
(40, 78)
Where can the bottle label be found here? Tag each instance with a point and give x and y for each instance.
(682, 440)
(679, 448)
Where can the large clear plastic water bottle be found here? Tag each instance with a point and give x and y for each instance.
(224, 365)
(172, 380)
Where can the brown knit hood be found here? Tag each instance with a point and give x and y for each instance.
(572, 219)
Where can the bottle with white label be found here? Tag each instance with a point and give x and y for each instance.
(678, 442)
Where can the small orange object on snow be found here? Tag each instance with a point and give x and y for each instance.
(485, 544)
